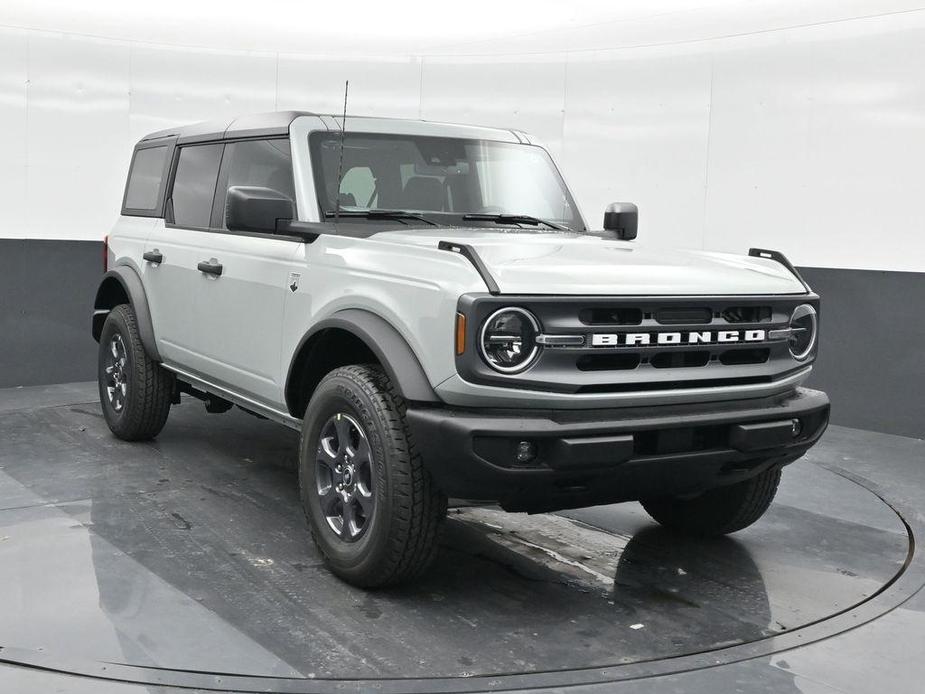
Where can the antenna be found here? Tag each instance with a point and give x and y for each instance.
(340, 165)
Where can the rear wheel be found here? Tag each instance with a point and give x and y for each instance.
(135, 391)
(372, 508)
(718, 511)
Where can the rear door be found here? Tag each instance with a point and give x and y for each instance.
(173, 250)
(241, 310)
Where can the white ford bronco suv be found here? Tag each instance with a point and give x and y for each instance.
(426, 304)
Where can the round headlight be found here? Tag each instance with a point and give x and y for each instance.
(508, 340)
(803, 326)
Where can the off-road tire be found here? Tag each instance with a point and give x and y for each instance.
(400, 541)
(719, 511)
(149, 386)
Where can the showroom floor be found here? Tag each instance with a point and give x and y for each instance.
(185, 563)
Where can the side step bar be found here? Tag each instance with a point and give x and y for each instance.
(251, 406)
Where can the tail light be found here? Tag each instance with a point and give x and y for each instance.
(106, 253)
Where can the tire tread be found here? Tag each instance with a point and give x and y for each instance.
(718, 511)
(151, 386)
(419, 508)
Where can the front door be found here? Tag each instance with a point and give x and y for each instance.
(242, 308)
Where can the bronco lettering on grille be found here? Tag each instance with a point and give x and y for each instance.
(676, 338)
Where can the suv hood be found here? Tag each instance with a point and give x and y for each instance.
(532, 262)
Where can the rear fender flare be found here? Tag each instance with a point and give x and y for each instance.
(128, 279)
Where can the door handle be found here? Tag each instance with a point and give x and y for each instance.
(154, 256)
(210, 267)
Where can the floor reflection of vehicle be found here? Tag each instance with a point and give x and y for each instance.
(705, 592)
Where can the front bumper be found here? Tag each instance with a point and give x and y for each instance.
(587, 457)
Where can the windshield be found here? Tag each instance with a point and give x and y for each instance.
(441, 179)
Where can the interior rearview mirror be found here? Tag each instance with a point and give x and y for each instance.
(622, 218)
(252, 208)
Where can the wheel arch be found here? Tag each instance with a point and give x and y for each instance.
(122, 285)
(345, 337)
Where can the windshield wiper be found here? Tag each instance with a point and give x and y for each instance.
(381, 214)
(513, 219)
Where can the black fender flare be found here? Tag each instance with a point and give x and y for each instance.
(383, 340)
(131, 285)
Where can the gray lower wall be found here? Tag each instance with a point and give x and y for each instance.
(46, 300)
(872, 348)
(872, 334)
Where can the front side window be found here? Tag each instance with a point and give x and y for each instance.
(194, 184)
(145, 179)
(443, 179)
(261, 163)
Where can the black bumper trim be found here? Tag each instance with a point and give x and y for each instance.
(602, 456)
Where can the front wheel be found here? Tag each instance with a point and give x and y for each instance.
(718, 511)
(135, 391)
(373, 510)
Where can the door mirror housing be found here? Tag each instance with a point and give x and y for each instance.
(252, 208)
(622, 218)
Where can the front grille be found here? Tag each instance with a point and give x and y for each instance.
(683, 316)
(680, 360)
(747, 314)
(644, 343)
(610, 316)
(734, 357)
(607, 362)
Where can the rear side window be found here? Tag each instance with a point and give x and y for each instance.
(194, 185)
(263, 163)
(145, 179)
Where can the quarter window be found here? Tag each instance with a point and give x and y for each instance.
(145, 179)
(194, 185)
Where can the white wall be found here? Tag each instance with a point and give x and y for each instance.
(790, 125)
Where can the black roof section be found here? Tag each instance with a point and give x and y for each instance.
(255, 125)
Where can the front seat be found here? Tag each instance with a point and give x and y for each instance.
(458, 193)
(423, 193)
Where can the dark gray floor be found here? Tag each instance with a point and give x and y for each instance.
(146, 562)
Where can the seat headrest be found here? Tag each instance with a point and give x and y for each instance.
(459, 193)
(423, 193)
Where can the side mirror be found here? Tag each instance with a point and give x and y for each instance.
(622, 217)
(252, 208)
